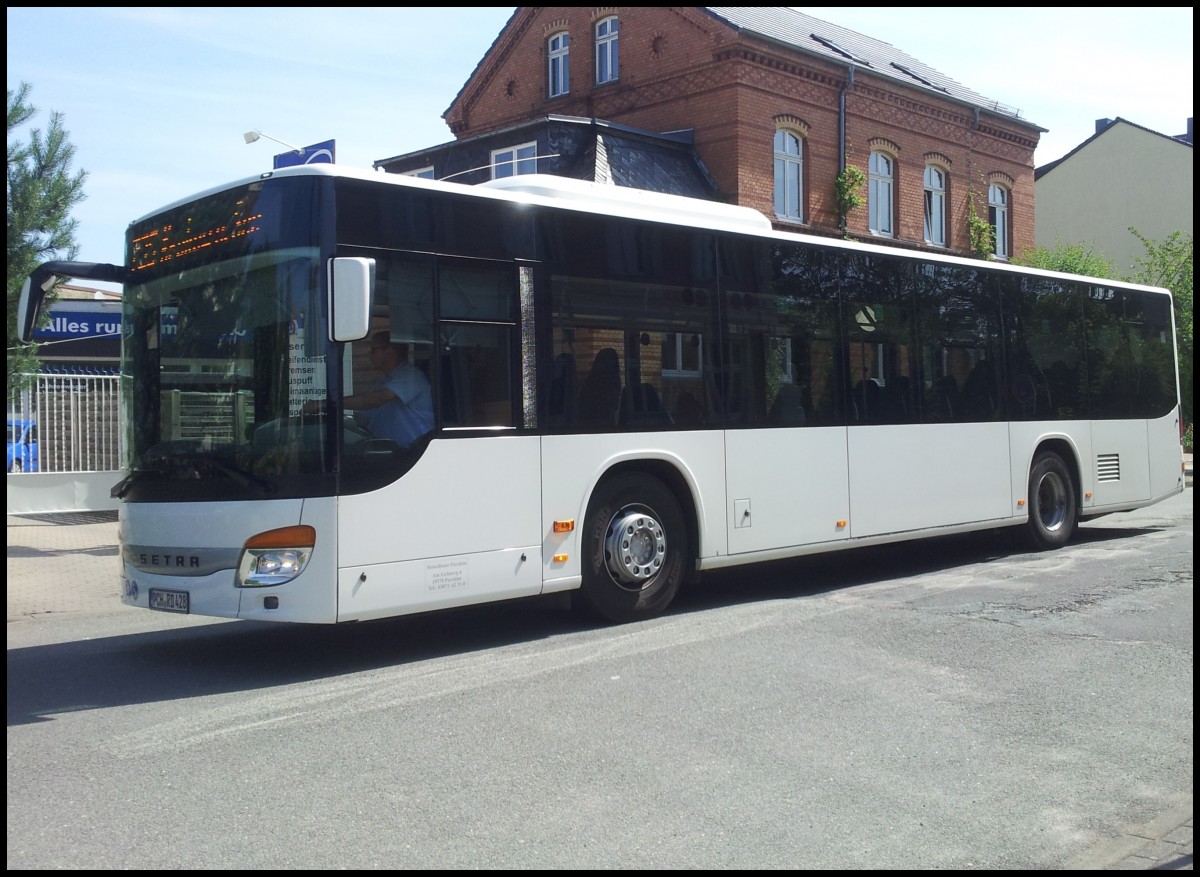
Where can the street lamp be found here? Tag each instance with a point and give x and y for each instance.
(252, 136)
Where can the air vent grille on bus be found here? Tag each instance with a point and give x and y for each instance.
(1108, 467)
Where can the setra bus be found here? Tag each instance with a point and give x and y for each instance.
(614, 391)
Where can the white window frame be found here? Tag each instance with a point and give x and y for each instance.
(514, 160)
(935, 206)
(881, 191)
(607, 57)
(998, 210)
(789, 175)
(558, 69)
(425, 173)
(672, 343)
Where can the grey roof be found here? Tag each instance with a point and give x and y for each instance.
(578, 147)
(844, 46)
(1102, 127)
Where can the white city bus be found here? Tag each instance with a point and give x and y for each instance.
(626, 390)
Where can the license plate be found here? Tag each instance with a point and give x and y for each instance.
(168, 601)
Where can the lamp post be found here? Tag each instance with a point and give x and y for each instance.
(252, 136)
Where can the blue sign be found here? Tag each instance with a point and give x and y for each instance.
(65, 324)
(318, 153)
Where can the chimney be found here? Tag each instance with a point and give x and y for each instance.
(1101, 124)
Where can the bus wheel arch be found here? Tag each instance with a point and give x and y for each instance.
(637, 543)
(1054, 501)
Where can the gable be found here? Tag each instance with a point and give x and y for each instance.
(694, 35)
(1119, 134)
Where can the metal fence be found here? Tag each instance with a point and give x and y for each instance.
(76, 423)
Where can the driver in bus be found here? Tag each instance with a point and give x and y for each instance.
(400, 406)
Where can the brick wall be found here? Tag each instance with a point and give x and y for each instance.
(682, 69)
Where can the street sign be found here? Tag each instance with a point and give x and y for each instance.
(318, 153)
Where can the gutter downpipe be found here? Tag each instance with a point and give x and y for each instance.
(971, 150)
(842, 127)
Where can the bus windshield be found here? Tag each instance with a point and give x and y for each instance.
(223, 331)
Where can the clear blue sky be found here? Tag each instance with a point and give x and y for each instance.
(156, 100)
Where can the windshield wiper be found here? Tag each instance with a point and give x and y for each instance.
(191, 465)
(122, 487)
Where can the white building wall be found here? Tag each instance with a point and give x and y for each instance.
(1126, 177)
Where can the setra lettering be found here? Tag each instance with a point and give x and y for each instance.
(170, 560)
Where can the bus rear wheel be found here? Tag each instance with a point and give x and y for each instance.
(1053, 508)
(634, 549)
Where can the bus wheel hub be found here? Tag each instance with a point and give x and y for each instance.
(634, 547)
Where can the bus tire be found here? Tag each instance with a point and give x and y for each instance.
(634, 545)
(1053, 507)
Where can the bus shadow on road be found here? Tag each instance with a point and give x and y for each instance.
(840, 570)
(212, 658)
(218, 657)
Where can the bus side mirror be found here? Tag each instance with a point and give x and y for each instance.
(45, 277)
(28, 307)
(351, 289)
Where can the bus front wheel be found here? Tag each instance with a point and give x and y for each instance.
(634, 549)
(1053, 507)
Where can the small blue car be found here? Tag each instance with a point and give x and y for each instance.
(22, 445)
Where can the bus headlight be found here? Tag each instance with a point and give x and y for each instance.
(275, 557)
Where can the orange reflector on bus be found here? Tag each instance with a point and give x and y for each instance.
(841, 524)
(1087, 495)
(559, 558)
(1020, 503)
(301, 536)
(564, 526)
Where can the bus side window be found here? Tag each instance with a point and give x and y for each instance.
(476, 374)
(600, 393)
(788, 407)
(478, 335)
(563, 394)
(642, 407)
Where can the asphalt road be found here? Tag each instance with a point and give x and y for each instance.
(951, 704)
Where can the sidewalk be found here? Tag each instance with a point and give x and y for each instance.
(59, 563)
(69, 563)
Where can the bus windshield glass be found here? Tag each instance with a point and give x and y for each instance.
(223, 343)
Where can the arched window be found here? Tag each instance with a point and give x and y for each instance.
(606, 50)
(558, 50)
(935, 206)
(998, 219)
(881, 193)
(789, 176)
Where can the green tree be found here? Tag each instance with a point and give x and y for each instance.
(1168, 263)
(42, 191)
(981, 232)
(1071, 258)
(848, 186)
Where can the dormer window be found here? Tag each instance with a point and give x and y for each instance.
(845, 53)
(514, 160)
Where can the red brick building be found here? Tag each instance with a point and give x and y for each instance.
(760, 106)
